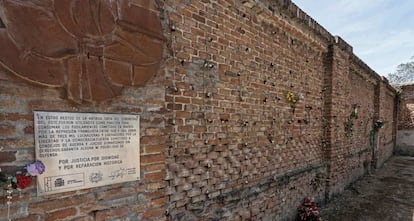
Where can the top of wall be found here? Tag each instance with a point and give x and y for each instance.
(295, 15)
(407, 84)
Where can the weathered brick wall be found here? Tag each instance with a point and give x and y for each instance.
(141, 200)
(354, 91)
(237, 149)
(405, 134)
(406, 107)
(219, 138)
(144, 199)
(387, 134)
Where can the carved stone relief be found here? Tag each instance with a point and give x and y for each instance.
(92, 48)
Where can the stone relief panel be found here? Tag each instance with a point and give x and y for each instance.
(92, 48)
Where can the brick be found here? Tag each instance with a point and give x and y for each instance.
(61, 214)
(53, 205)
(7, 156)
(7, 130)
(153, 213)
(155, 149)
(114, 193)
(155, 176)
(184, 100)
(153, 140)
(156, 186)
(152, 158)
(15, 117)
(161, 202)
(154, 167)
(199, 18)
(16, 143)
(152, 132)
(111, 213)
(155, 194)
(193, 192)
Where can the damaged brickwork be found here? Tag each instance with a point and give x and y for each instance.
(254, 106)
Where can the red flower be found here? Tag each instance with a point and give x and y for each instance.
(23, 181)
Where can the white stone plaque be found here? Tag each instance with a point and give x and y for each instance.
(84, 150)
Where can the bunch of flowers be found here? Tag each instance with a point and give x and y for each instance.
(23, 179)
(308, 108)
(293, 98)
(308, 211)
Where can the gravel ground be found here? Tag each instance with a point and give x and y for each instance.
(386, 195)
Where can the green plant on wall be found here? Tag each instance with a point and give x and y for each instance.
(349, 124)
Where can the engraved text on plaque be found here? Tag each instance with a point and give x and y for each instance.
(84, 150)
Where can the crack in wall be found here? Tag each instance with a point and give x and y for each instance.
(2, 25)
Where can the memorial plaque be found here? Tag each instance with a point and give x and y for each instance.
(84, 150)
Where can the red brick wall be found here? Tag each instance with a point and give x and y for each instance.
(143, 200)
(234, 136)
(387, 134)
(219, 138)
(405, 133)
(354, 87)
(237, 151)
(406, 108)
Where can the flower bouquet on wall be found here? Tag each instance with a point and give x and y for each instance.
(308, 211)
(22, 179)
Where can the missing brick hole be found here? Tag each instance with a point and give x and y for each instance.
(2, 24)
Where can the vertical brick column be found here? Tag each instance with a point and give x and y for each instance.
(335, 100)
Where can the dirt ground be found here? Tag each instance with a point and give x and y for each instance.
(385, 195)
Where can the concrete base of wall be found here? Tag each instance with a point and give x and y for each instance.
(405, 142)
